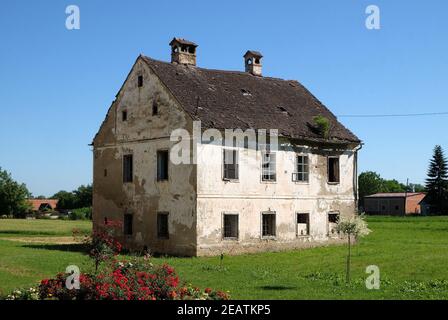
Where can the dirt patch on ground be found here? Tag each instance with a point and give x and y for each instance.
(52, 240)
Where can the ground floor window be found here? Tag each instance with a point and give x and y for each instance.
(303, 224)
(230, 230)
(333, 219)
(162, 225)
(268, 224)
(127, 224)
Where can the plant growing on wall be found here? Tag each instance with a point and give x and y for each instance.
(323, 125)
(354, 227)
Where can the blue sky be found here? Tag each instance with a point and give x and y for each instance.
(56, 84)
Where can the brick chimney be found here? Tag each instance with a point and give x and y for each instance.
(252, 62)
(183, 51)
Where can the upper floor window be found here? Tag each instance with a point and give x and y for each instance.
(127, 168)
(155, 108)
(269, 167)
(302, 167)
(162, 165)
(162, 225)
(333, 170)
(124, 115)
(230, 164)
(140, 81)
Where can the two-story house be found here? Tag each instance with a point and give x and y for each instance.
(229, 197)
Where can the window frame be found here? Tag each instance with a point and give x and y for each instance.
(328, 170)
(224, 237)
(308, 224)
(124, 175)
(295, 175)
(140, 81)
(161, 236)
(263, 179)
(270, 236)
(158, 176)
(236, 164)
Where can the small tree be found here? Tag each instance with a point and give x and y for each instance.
(323, 125)
(356, 227)
(437, 181)
(13, 196)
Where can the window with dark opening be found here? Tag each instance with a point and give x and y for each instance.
(105, 172)
(127, 224)
(155, 108)
(230, 226)
(268, 225)
(127, 168)
(162, 225)
(230, 164)
(269, 167)
(303, 224)
(124, 115)
(162, 165)
(333, 217)
(105, 221)
(333, 170)
(140, 81)
(302, 174)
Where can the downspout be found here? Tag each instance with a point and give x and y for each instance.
(355, 175)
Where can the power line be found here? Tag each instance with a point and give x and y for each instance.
(392, 115)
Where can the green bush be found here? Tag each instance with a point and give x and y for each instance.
(81, 214)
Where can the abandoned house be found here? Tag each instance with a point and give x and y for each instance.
(394, 204)
(263, 199)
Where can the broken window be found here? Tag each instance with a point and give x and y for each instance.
(124, 115)
(303, 224)
(269, 167)
(140, 81)
(302, 167)
(162, 165)
(155, 108)
(127, 168)
(230, 164)
(333, 219)
(162, 225)
(333, 169)
(268, 224)
(230, 226)
(127, 224)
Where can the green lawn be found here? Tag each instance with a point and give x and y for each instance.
(412, 255)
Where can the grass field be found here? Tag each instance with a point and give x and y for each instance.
(412, 254)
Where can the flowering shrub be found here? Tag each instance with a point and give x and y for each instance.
(24, 294)
(123, 280)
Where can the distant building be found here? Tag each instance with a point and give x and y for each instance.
(394, 204)
(43, 204)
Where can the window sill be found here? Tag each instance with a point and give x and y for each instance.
(163, 238)
(230, 239)
(268, 238)
(305, 236)
(333, 183)
(231, 180)
(269, 181)
(305, 183)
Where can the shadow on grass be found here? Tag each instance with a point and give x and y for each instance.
(278, 288)
(69, 247)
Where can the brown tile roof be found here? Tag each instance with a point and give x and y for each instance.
(395, 195)
(183, 41)
(36, 203)
(232, 99)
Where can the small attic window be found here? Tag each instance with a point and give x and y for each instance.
(124, 115)
(155, 108)
(257, 61)
(249, 61)
(191, 50)
(140, 81)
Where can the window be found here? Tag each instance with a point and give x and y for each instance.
(269, 167)
(333, 219)
(333, 170)
(162, 165)
(162, 225)
(105, 221)
(303, 224)
(124, 115)
(230, 226)
(268, 224)
(302, 167)
(127, 224)
(230, 164)
(155, 108)
(140, 81)
(127, 168)
(105, 172)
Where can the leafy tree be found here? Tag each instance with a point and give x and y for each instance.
(355, 227)
(393, 186)
(323, 125)
(415, 187)
(369, 183)
(13, 196)
(79, 198)
(67, 200)
(437, 181)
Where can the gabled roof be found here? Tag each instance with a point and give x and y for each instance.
(183, 41)
(37, 203)
(232, 99)
(396, 195)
